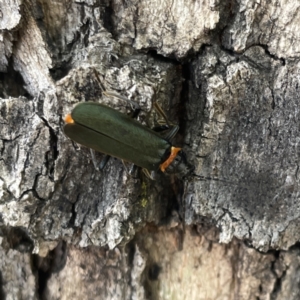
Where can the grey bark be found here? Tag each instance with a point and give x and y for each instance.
(228, 73)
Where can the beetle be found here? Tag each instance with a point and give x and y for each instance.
(109, 131)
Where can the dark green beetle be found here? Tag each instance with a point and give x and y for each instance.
(109, 131)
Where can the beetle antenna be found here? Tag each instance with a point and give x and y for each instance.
(99, 81)
(204, 178)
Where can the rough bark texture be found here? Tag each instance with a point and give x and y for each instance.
(228, 73)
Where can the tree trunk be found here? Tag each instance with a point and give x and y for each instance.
(228, 74)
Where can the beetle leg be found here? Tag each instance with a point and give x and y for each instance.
(94, 159)
(168, 125)
(125, 167)
(163, 128)
(160, 112)
(172, 133)
(132, 169)
(103, 162)
(148, 174)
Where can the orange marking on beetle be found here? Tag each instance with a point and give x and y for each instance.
(69, 119)
(166, 163)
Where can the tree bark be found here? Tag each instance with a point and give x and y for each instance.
(228, 74)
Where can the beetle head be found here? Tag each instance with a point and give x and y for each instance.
(180, 165)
